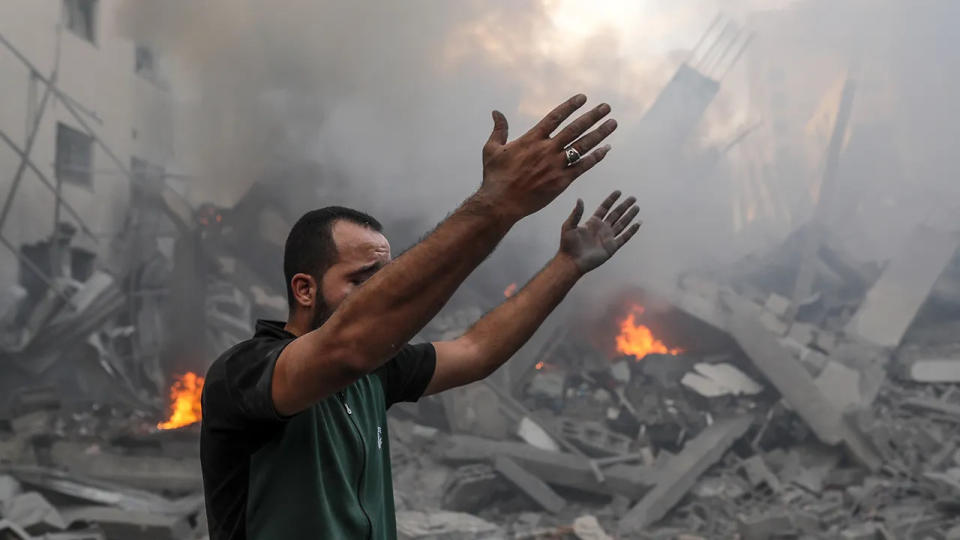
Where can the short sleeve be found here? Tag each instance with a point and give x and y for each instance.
(248, 376)
(405, 377)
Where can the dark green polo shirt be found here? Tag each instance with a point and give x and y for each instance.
(323, 473)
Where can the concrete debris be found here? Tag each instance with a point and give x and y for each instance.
(930, 364)
(594, 438)
(796, 385)
(117, 523)
(32, 512)
(441, 525)
(714, 380)
(756, 411)
(840, 386)
(472, 487)
(9, 488)
(893, 302)
(535, 488)
(534, 435)
(12, 531)
(588, 528)
(682, 472)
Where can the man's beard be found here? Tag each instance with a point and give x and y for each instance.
(321, 312)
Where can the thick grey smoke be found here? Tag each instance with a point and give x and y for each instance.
(394, 98)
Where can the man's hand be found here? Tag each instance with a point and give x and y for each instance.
(594, 242)
(524, 175)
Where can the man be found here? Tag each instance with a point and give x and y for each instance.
(294, 437)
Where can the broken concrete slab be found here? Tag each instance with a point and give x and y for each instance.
(471, 488)
(714, 380)
(758, 473)
(795, 384)
(894, 300)
(12, 531)
(840, 386)
(32, 512)
(101, 492)
(588, 528)
(555, 468)
(445, 526)
(949, 410)
(146, 472)
(932, 367)
(682, 472)
(593, 437)
(535, 488)
(9, 488)
(117, 523)
(533, 434)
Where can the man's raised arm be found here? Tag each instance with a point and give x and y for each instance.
(519, 178)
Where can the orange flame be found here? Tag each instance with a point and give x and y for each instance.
(185, 396)
(637, 340)
(511, 288)
(539, 365)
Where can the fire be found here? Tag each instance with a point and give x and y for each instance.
(539, 365)
(637, 340)
(185, 397)
(511, 288)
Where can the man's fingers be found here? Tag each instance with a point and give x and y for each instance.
(595, 137)
(554, 118)
(622, 223)
(587, 162)
(606, 204)
(574, 220)
(628, 234)
(576, 128)
(619, 210)
(498, 136)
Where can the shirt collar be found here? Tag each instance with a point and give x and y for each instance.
(272, 329)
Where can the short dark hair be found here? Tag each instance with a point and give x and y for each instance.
(310, 248)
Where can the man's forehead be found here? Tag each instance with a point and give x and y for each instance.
(355, 240)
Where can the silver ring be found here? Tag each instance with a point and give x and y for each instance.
(573, 155)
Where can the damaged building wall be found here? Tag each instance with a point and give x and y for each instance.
(119, 89)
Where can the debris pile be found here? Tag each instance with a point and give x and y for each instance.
(736, 412)
(807, 422)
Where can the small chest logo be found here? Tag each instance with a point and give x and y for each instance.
(379, 437)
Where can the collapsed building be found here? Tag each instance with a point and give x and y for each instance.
(797, 392)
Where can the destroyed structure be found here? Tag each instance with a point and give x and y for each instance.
(795, 394)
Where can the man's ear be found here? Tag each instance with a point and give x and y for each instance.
(304, 289)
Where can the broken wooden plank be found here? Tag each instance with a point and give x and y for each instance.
(683, 470)
(555, 468)
(894, 300)
(535, 488)
(794, 383)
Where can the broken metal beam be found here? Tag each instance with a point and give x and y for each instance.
(683, 470)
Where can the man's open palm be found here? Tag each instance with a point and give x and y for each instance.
(596, 240)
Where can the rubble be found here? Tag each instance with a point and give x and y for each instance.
(682, 471)
(751, 413)
(535, 488)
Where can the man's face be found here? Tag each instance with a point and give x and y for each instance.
(361, 251)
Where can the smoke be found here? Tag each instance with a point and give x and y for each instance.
(394, 97)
